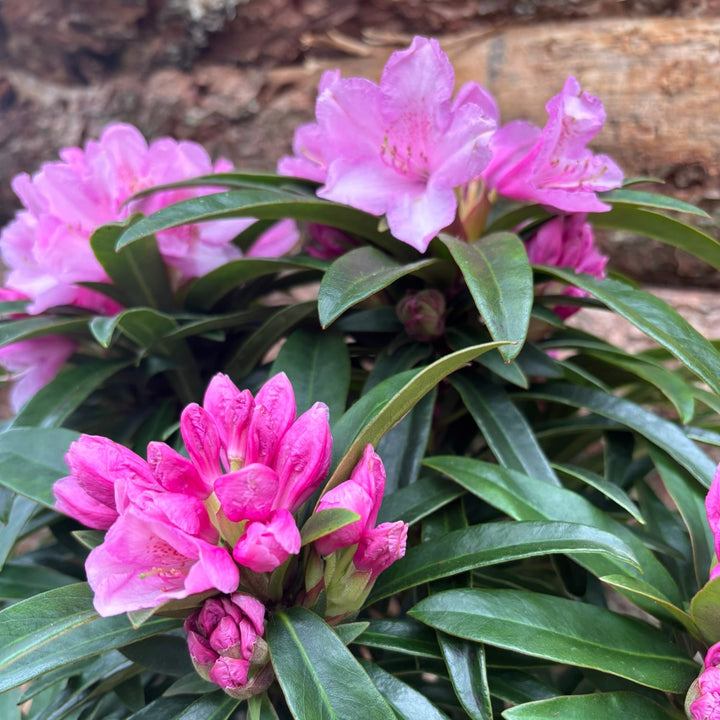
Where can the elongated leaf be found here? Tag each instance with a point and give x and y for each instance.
(357, 275)
(655, 318)
(705, 611)
(22, 511)
(498, 275)
(207, 290)
(213, 706)
(208, 324)
(318, 366)
(144, 326)
(662, 433)
(324, 522)
(422, 498)
(15, 330)
(19, 580)
(260, 203)
(465, 662)
(385, 405)
(59, 627)
(493, 543)
(53, 404)
(525, 498)
(10, 705)
(407, 702)
(251, 352)
(139, 272)
(504, 428)
(638, 198)
(32, 459)
(663, 228)
(563, 631)
(319, 677)
(598, 706)
(260, 708)
(404, 635)
(690, 501)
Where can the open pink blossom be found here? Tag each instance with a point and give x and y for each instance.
(567, 241)
(552, 166)
(399, 148)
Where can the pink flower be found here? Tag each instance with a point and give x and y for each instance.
(267, 544)
(328, 242)
(552, 166)
(33, 363)
(47, 247)
(712, 505)
(226, 644)
(399, 148)
(567, 241)
(706, 689)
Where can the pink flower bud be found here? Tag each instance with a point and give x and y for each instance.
(174, 472)
(247, 494)
(273, 414)
(267, 545)
(380, 547)
(328, 242)
(423, 314)
(202, 441)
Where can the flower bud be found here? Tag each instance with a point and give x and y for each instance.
(423, 314)
(226, 645)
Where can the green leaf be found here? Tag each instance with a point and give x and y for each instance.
(208, 324)
(705, 611)
(662, 433)
(166, 653)
(348, 632)
(504, 428)
(525, 498)
(19, 580)
(357, 275)
(493, 543)
(498, 275)
(598, 706)
(324, 522)
(318, 367)
(623, 196)
(404, 635)
(655, 318)
(252, 350)
(416, 501)
(407, 702)
(207, 290)
(32, 459)
(56, 401)
(466, 664)
(22, 510)
(12, 331)
(386, 404)
(260, 708)
(259, 203)
(60, 627)
(10, 705)
(563, 631)
(144, 326)
(138, 271)
(320, 678)
(212, 706)
(660, 227)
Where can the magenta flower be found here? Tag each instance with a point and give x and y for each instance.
(399, 148)
(226, 644)
(552, 166)
(703, 700)
(567, 241)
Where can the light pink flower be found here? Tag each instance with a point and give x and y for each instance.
(267, 544)
(399, 148)
(33, 363)
(567, 241)
(552, 166)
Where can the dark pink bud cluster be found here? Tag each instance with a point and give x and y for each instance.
(423, 314)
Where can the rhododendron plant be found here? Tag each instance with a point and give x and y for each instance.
(355, 467)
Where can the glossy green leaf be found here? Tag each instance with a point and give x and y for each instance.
(166, 653)
(15, 330)
(598, 706)
(32, 459)
(493, 543)
(10, 705)
(260, 708)
(394, 360)
(320, 678)
(22, 510)
(324, 522)
(144, 326)
(207, 290)
(705, 611)
(608, 489)
(403, 635)
(498, 275)
(54, 403)
(357, 275)
(59, 627)
(563, 631)
(690, 501)
(252, 350)
(656, 201)
(20, 580)
(260, 203)
(407, 702)
(663, 228)
(318, 366)
(423, 497)
(651, 600)
(385, 405)
(348, 632)
(206, 324)
(503, 426)
(659, 431)
(465, 662)
(212, 706)
(655, 318)
(525, 498)
(138, 271)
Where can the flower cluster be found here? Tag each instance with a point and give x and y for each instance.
(704, 696)
(47, 251)
(223, 520)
